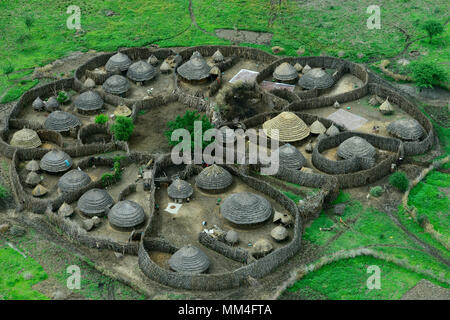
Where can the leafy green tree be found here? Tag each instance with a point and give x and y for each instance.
(101, 119)
(427, 74)
(433, 28)
(122, 128)
(399, 180)
(187, 122)
(3, 192)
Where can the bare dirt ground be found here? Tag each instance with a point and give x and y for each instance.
(425, 290)
(239, 36)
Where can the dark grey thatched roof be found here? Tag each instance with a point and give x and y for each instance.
(316, 79)
(141, 71)
(179, 189)
(285, 72)
(246, 208)
(116, 84)
(56, 161)
(94, 202)
(356, 146)
(51, 104)
(126, 214)
(33, 165)
(73, 180)
(214, 178)
(118, 61)
(61, 121)
(89, 101)
(189, 259)
(38, 104)
(194, 69)
(406, 129)
(290, 157)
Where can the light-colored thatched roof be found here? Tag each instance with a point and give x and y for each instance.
(26, 138)
(317, 127)
(332, 130)
(279, 233)
(122, 111)
(386, 107)
(262, 246)
(232, 237)
(153, 60)
(33, 165)
(65, 210)
(246, 208)
(39, 191)
(289, 125)
(32, 179)
(38, 104)
(51, 104)
(217, 56)
(285, 72)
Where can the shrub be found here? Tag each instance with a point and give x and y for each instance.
(3, 192)
(376, 191)
(433, 28)
(426, 74)
(29, 21)
(8, 69)
(423, 220)
(62, 97)
(122, 128)
(109, 178)
(399, 180)
(101, 119)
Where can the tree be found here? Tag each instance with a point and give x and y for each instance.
(426, 74)
(29, 21)
(122, 128)
(101, 119)
(399, 180)
(433, 28)
(187, 122)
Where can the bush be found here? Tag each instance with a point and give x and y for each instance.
(423, 220)
(122, 128)
(427, 74)
(8, 69)
(399, 180)
(3, 192)
(29, 21)
(433, 28)
(376, 191)
(62, 97)
(101, 119)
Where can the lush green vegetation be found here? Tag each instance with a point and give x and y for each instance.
(427, 74)
(433, 28)
(101, 119)
(399, 180)
(187, 122)
(3, 192)
(110, 178)
(376, 191)
(342, 197)
(122, 128)
(13, 284)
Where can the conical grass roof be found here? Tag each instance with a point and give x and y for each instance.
(33, 179)
(165, 67)
(290, 157)
(285, 72)
(153, 60)
(122, 111)
(332, 130)
(194, 69)
(56, 161)
(33, 166)
(65, 210)
(316, 79)
(61, 121)
(189, 259)
(298, 67)
(218, 56)
(38, 104)
(306, 69)
(356, 147)
(89, 83)
(73, 180)
(213, 177)
(246, 208)
(279, 233)
(232, 237)
(119, 61)
(406, 129)
(386, 107)
(26, 138)
(180, 189)
(51, 104)
(262, 246)
(39, 191)
(141, 71)
(116, 84)
(95, 202)
(126, 214)
(317, 127)
(289, 125)
(89, 101)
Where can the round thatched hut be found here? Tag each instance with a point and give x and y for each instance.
(214, 179)
(33, 166)
(73, 180)
(89, 83)
(141, 71)
(290, 157)
(119, 61)
(33, 179)
(95, 202)
(232, 237)
(26, 138)
(61, 121)
(262, 247)
(386, 107)
(65, 210)
(39, 191)
(165, 67)
(180, 190)
(298, 67)
(38, 104)
(317, 127)
(153, 60)
(189, 259)
(285, 72)
(117, 85)
(88, 102)
(279, 233)
(290, 127)
(356, 146)
(195, 70)
(126, 214)
(218, 56)
(316, 79)
(406, 129)
(332, 131)
(246, 208)
(56, 161)
(51, 104)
